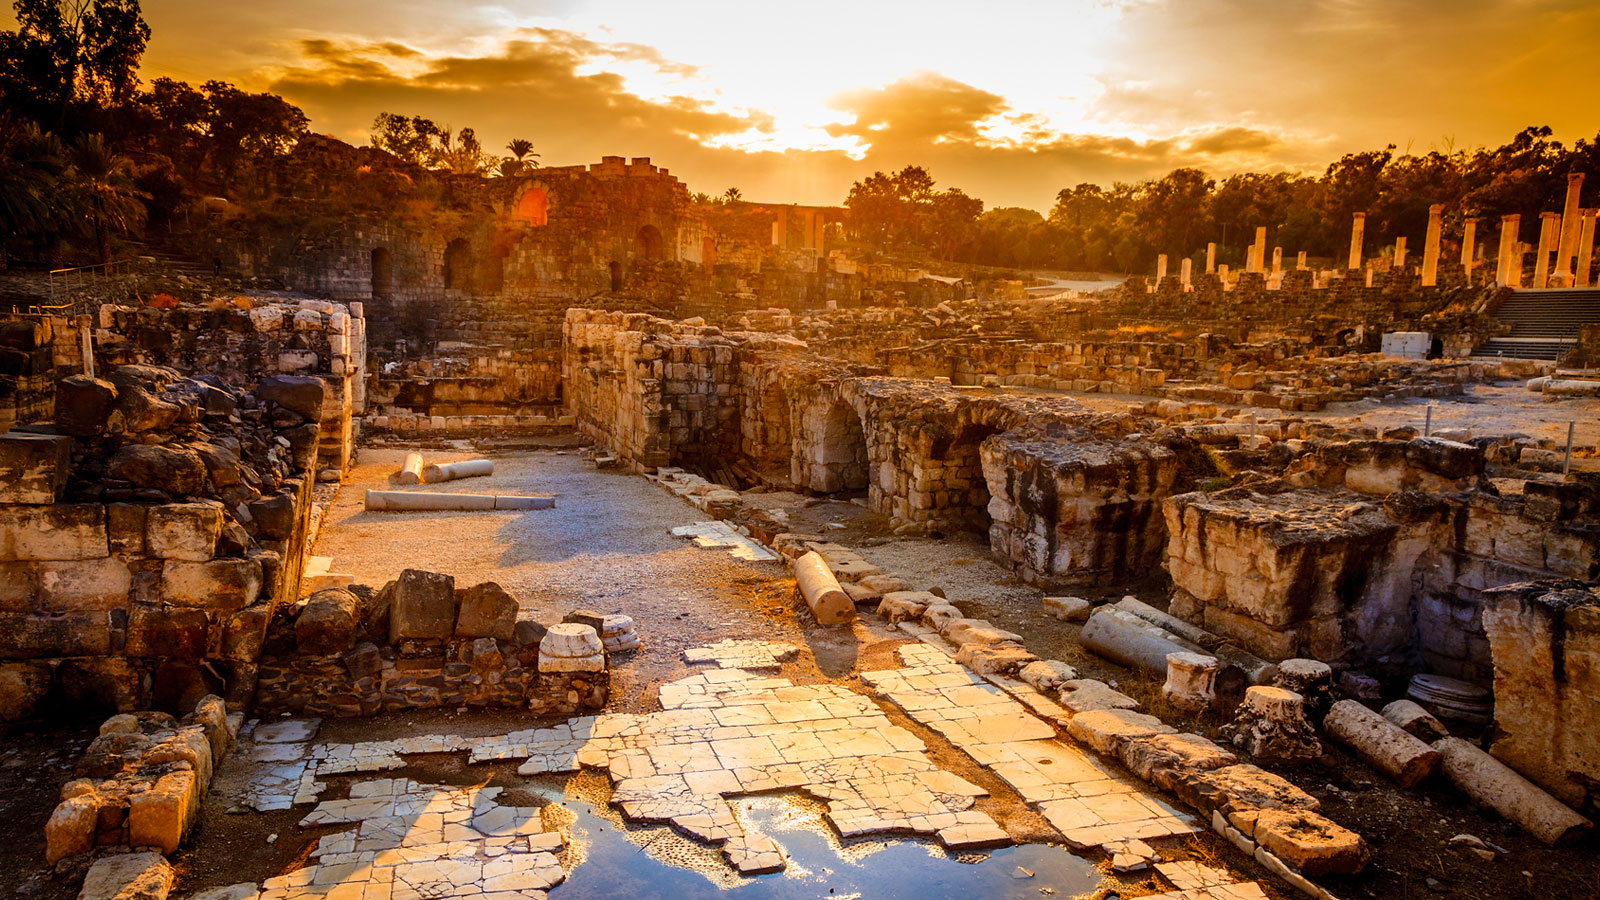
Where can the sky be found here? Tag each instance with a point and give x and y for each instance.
(1010, 100)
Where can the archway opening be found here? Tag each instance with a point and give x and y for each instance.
(963, 492)
(382, 273)
(708, 254)
(457, 264)
(533, 207)
(616, 276)
(841, 454)
(647, 243)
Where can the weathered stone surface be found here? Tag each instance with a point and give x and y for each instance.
(1047, 675)
(424, 606)
(1107, 730)
(59, 532)
(176, 470)
(142, 875)
(1492, 784)
(34, 467)
(1310, 842)
(994, 659)
(1415, 721)
(1085, 694)
(33, 636)
(1165, 759)
(903, 606)
(302, 394)
(1125, 638)
(274, 516)
(22, 687)
(1271, 725)
(166, 631)
(570, 640)
(487, 611)
(1381, 743)
(1068, 609)
(90, 584)
(222, 584)
(977, 631)
(186, 531)
(329, 622)
(160, 816)
(70, 830)
(83, 404)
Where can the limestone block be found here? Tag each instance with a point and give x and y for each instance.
(424, 606)
(328, 623)
(1047, 675)
(901, 606)
(125, 524)
(1310, 842)
(994, 658)
(1107, 730)
(159, 817)
(90, 584)
(34, 467)
(940, 614)
(170, 631)
(820, 589)
(186, 531)
(1085, 694)
(488, 611)
(83, 404)
(266, 319)
(177, 471)
(34, 636)
(71, 827)
(301, 394)
(1381, 743)
(977, 631)
(64, 531)
(1068, 609)
(22, 687)
(1494, 785)
(211, 714)
(1191, 680)
(128, 876)
(1165, 759)
(221, 584)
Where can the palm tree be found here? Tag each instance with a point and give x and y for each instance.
(522, 151)
(101, 192)
(731, 195)
(31, 165)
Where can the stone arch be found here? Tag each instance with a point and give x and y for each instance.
(533, 207)
(647, 243)
(457, 264)
(960, 491)
(382, 273)
(616, 276)
(840, 453)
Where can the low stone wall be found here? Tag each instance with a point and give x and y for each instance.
(419, 643)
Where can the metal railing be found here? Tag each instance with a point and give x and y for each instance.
(62, 281)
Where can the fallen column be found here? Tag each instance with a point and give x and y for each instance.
(418, 500)
(828, 602)
(411, 469)
(1123, 637)
(433, 473)
(1493, 784)
(1381, 743)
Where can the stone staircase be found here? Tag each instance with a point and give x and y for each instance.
(1544, 323)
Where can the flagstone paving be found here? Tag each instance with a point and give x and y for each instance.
(754, 656)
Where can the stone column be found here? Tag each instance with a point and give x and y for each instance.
(1547, 242)
(1430, 246)
(1509, 226)
(1400, 252)
(780, 228)
(1186, 271)
(1469, 238)
(1211, 258)
(1300, 261)
(1191, 680)
(1222, 275)
(1261, 248)
(1585, 249)
(1161, 268)
(1571, 226)
(1277, 260)
(1358, 227)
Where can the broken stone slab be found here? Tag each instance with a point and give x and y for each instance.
(977, 631)
(1381, 743)
(142, 875)
(1164, 759)
(1309, 842)
(820, 589)
(1188, 631)
(1107, 730)
(34, 467)
(1047, 675)
(1082, 695)
(1123, 637)
(1191, 680)
(419, 500)
(994, 658)
(1492, 784)
(433, 473)
(1415, 721)
(940, 614)
(1068, 609)
(901, 606)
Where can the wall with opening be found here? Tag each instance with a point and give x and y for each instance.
(457, 265)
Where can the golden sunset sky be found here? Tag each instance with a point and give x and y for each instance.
(1010, 100)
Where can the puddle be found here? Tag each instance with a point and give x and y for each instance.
(657, 862)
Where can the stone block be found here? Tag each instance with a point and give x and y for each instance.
(1068, 609)
(71, 827)
(125, 524)
(220, 584)
(63, 531)
(243, 633)
(103, 683)
(301, 394)
(1310, 842)
(19, 586)
(128, 876)
(34, 467)
(176, 471)
(186, 531)
(487, 611)
(89, 584)
(1106, 730)
(83, 404)
(39, 635)
(166, 631)
(328, 623)
(22, 687)
(424, 606)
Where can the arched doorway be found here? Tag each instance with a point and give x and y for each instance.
(457, 264)
(647, 243)
(382, 273)
(841, 451)
(616, 276)
(533, 207)
(966, 501)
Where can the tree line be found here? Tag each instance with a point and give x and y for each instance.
(1124, 227)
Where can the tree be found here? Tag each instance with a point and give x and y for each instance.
(101, 193)
(31, 165)
(732, 195)
(1173, 210)
(522, 158)
(243, 125)
(409, 139)
(67, 51)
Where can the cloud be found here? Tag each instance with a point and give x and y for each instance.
(925, 106)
